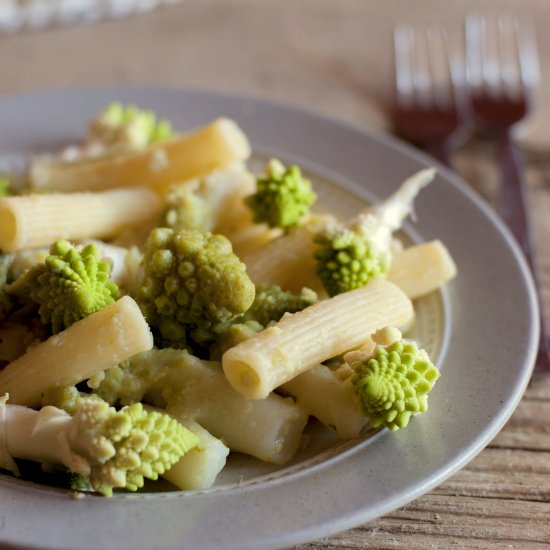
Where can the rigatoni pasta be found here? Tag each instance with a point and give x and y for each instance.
(187, 157)
(39, 220)
(302, 340)
(87, 347)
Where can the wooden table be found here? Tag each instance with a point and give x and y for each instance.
(335, 58)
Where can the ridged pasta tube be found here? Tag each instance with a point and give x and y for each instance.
(87, 347)
(190, 156)
(39, 220)
(300, 341)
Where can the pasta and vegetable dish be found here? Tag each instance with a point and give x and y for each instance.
(161, 307)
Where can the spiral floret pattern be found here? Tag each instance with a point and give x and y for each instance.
(393, 384)
(68, 286)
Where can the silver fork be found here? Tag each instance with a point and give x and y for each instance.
(502, 72)
(426, 111)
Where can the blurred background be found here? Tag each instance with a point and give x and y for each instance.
(333, 57)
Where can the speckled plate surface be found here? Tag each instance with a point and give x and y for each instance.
(482, 329)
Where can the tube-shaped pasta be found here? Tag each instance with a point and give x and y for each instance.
(300, 341)
(38, 220)
(270, 429)
(199, 467)
(87, 347)
(286, 261)
(325, 396)
(186, 157)
(421, 269)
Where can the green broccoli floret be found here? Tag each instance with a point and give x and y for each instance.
(112, 448)
(283, 196)
(192, 285)
(68, 286)
(350, 255)
(393, 383)
(272, 302)
(186, 210)
(5, 190)
(129, 127)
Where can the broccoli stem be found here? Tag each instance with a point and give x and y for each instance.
(391, 212)
(350, 254)
(112, 448)
(30, 434)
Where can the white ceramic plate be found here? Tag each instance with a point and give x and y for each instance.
(486, 334)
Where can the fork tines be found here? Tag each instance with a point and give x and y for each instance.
(426, 88)
(501, 54)
(422, 68)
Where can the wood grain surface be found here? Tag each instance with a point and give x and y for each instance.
(336, 58)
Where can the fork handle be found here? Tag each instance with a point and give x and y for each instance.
(512, 200)
(513, 210)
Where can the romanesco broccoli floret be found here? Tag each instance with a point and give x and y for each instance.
(272, 302)
(192, 284)
(111, 448)
(187, 210)
(68, 286)
(393, 383)
(350, 255)
(346, 260)
(283, 196)
(129, 127)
